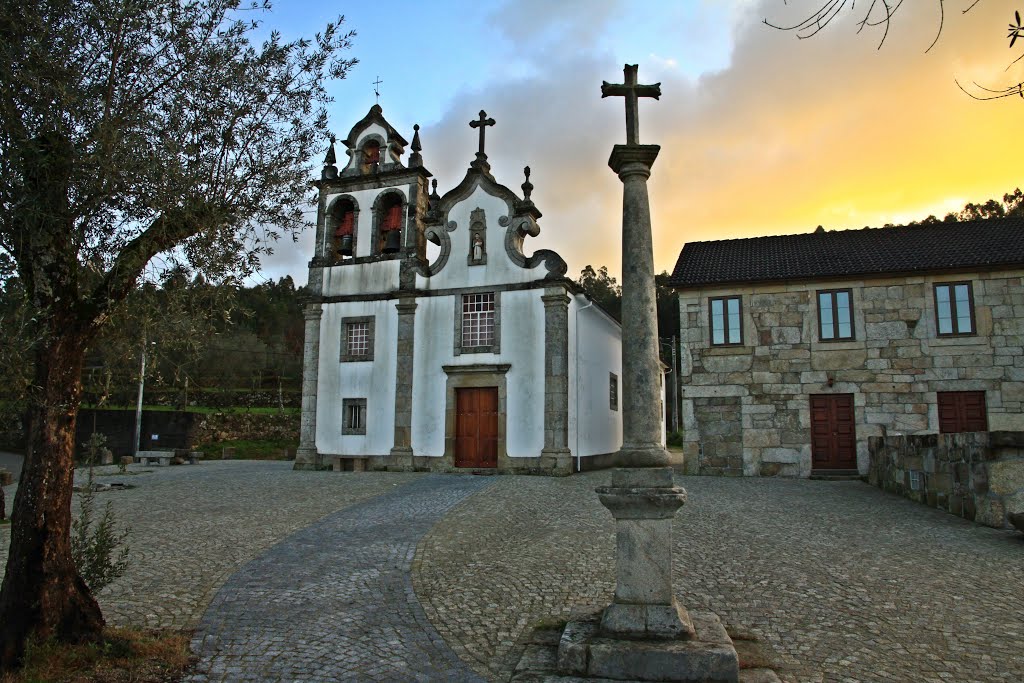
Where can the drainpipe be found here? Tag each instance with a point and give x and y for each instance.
(576, 341)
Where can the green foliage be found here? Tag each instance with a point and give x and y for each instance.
(674, 439)
(602, 289)
(1012, 205)
(250, 449)
(94, 541)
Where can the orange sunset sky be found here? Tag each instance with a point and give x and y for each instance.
(761, 132)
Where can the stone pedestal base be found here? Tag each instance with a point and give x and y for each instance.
(400, 460)
(643, 502)
(306, 459)
(584, 650)
(557, 461)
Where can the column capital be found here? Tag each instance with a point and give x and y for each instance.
(633, 159)
(312, 311)
(406, 306)
(555, 297)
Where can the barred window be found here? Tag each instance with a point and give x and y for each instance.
(613, 391)
(477, 320)
(353, 416)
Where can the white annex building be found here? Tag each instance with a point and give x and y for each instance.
(481, 357)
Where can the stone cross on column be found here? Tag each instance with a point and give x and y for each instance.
(632, 91)
(482, 124)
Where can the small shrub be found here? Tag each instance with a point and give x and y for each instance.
(675, 439)
(94, 542)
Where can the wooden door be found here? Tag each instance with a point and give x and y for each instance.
(962, 411)
(476, 427)
(833, 437)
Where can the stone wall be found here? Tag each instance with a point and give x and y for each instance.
(722, 446)
(976, 475)
(893, 368)
(176, 429)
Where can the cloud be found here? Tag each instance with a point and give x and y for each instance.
(784, 135)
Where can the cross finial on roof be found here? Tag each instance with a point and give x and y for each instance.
(482, 124)
(631, 90)
(376, 88)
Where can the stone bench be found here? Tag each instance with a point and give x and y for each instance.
(162, 458)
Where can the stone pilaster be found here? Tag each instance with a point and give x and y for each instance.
(401, 453)
(641, 369)
(306, 457)
(556, 456)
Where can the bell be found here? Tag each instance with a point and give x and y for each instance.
(345, 245)
(392, 241)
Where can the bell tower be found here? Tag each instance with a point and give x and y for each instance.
(372, 205)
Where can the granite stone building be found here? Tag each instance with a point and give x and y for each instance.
(433, 339)
(797, 348)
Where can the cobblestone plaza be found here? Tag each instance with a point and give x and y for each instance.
(385, 576)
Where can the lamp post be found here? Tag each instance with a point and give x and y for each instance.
(138, 405)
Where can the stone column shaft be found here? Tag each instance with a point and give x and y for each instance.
(306, 457)
(401, 453)
(641, 369)
(556, 454)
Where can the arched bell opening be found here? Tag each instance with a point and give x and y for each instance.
(342, 225)
(390, 224)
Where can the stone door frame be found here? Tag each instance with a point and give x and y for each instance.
(474, 376)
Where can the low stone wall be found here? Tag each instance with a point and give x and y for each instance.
(976, 475)
(218, 427)
(175, 429)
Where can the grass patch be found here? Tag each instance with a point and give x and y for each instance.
(124, 655)
(250, 449)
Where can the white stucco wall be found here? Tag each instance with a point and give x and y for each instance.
(499, 269)
(522, 325)
(595, 343)
(372, 380)
(365, 278)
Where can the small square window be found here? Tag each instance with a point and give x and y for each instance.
(726, 321)
(835, 315)
(353, 416)
(954, 309)
(613, 391)
(357, 338)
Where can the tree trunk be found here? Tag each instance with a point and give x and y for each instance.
(43, 595)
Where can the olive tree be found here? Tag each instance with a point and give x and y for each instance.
(134, 135)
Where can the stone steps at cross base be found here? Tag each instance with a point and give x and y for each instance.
(835, 475)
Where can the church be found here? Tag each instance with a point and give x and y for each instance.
(433, 341)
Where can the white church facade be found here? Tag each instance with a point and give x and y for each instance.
(478, 358)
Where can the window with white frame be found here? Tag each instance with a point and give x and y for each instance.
(353, 416)
(357, 338)
(478, 320)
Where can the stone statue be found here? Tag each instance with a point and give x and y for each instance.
(478, 247)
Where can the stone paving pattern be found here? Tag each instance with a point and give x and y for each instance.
(192, 526)
(838, 580)
(335, 601)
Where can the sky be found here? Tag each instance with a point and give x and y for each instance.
(761, 132)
